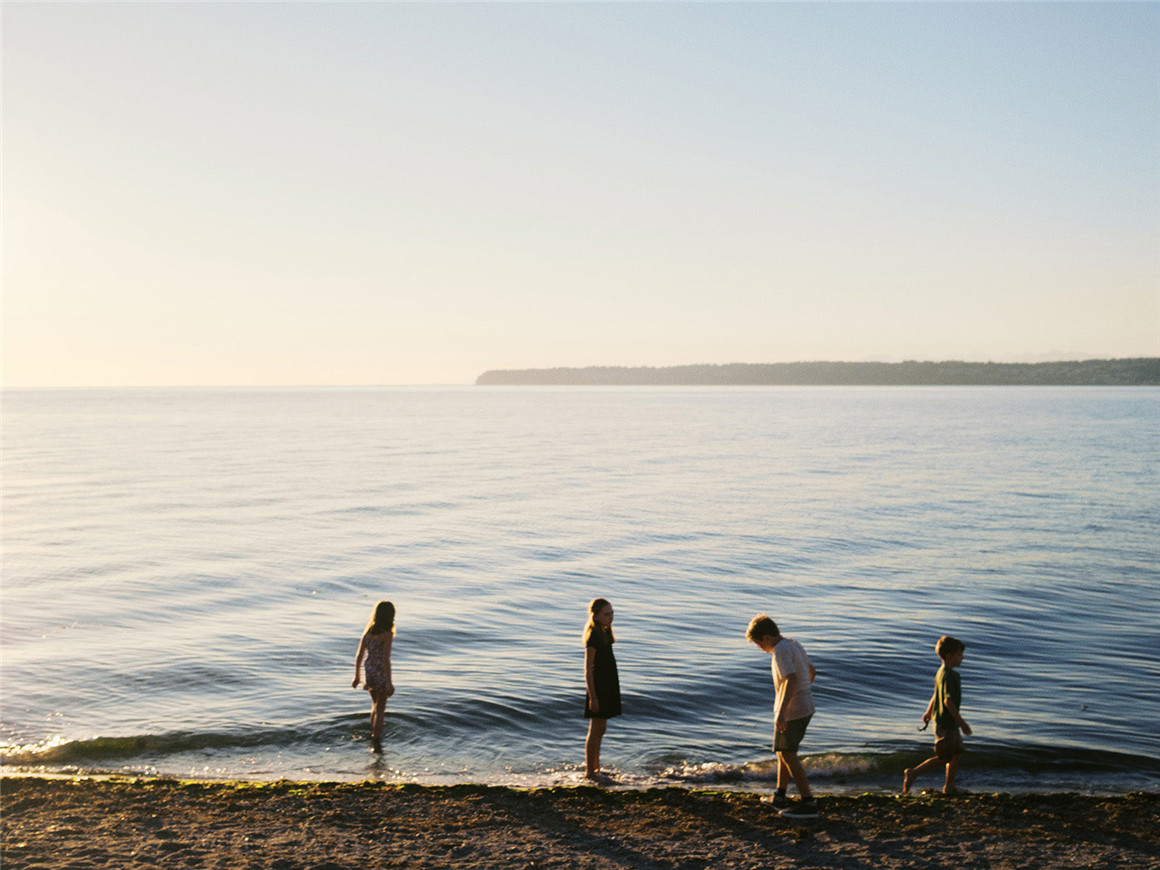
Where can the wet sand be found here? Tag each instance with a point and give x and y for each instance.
(93, 823)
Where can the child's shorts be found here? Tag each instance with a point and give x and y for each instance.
(948, 742)
(790, 739)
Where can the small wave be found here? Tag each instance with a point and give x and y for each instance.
(886, 764)
(1043, 496)
(873, 766)
(97, 749)
(1033, 757)
(711, 772)
(833, 766)
(94, 750)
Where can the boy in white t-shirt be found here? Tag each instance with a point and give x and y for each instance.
(792, 675)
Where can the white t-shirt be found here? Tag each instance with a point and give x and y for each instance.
(790, 658)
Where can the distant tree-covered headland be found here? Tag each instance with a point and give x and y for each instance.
(1142, 371)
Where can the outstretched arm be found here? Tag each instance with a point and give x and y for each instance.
(954, 711)
(362, 651)
(791, 689)
(387, 665)
(929, 710)
(590, 678)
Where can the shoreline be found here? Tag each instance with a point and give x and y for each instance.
(151, 822)
(928, 786)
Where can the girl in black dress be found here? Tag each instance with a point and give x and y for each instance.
(603, 699)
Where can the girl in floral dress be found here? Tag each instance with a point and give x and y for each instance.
(375, 648)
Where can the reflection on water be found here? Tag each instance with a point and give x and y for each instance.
(187, 574)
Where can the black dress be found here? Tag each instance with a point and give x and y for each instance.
(605, 678)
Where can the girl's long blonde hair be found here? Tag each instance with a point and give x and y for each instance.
(605, 634)
(382, 619)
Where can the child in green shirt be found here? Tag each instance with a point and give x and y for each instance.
(944, 708)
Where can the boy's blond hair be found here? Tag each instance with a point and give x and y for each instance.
(947, 646)
(761, 626)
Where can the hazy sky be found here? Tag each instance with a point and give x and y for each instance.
(234, 193)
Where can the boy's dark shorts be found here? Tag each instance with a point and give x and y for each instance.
(948, 742)
(789, 739)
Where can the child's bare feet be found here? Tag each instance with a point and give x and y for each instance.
(907, 780)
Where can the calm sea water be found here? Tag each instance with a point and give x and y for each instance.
(187, 572)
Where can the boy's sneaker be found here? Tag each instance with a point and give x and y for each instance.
(778, 801)
(801, 810)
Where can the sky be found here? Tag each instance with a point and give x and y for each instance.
(384, 193)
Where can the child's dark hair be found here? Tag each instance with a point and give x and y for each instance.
(383, 619)
(947, 646)
(604, 635)
(761, 626)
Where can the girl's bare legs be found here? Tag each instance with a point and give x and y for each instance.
(379, 702)
(596, 729)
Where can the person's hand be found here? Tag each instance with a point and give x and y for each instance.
(780, 725)
(926, 718)
(593, 705)
(966, 728)
(354, 685)
(390, 689)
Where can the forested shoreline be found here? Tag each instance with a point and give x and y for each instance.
(1141, 371)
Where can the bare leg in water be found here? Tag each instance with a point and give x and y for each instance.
(596, 729)
(379, 700)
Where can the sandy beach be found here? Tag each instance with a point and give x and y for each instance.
(90, 823)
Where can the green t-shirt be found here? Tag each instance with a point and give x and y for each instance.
(947, 686)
